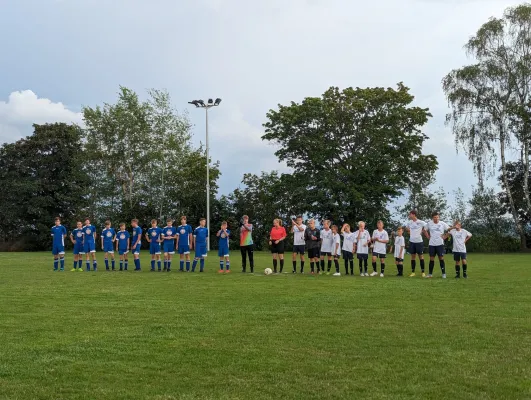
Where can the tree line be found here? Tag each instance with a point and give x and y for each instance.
(352, 152)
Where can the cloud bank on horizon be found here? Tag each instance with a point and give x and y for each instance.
(254, 55)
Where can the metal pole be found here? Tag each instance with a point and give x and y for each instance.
(207, 182)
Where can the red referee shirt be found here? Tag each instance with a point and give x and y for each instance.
(278, 233)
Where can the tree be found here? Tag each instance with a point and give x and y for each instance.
(352, 151)
(459, 210)
(46, 178)
(426, 202)
(491, 98)
(515, 178)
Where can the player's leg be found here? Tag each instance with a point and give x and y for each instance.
(275, 262)
(374, 258)
(87, 259)
(76, 257)
(303, 258)
(126, 261)
(181, 259)
(250, 254)
(465, 265)
(165, 260)
(243, 252)
(345, 261)
(93, 256)
(382, 265)
(457, 259)
(113, 263)
(413, 253)
(221, 263)
(106, 260)
(366, 263)
(321, 267)
(432, 250)
(420, 252)
(281, 256)
(55, 253)
(152, 252)
(187, 256)
(329, 264)
(440, 254)
(336, 264)
(227, 263)
(360, 264)
(170, 258)
(159, 262)
(294, 259)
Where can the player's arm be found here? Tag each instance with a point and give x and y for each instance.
(384, 240)
(219, 233)
(117, 243)
(147, 238)
(425, 232)
(191, 239)
(101, 241)
(402, 251)
(72, 238)
(468, 236)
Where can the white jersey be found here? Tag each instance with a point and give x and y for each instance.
(361, 241)
(400, 243)
(436, 231)
(380, 248)
(459, 240)
(348, 241)
(337, 243)
(326, 241)
(298, 235)
(415, 230)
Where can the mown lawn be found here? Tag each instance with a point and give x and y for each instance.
(126, 335)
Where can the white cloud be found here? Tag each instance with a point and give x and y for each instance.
(24, 108)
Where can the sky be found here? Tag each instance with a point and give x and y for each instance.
(57, 56)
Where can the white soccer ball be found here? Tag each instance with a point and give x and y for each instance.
(268, 271)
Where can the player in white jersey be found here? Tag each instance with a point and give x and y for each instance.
(436, 230)
(336, 248)
(460, 237)
(363, 240)
(299, 244)
(380, 238)
(348, 248)
(400, 248)
(415, 228)
(326, 246)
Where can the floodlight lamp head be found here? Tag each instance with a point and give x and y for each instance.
(218, 100)
(201, 103)
(210, 101)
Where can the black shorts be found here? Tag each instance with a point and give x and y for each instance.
(416, 248)
(362, 256)
(326, 253)
(348, 255)
(459, 256)
(436, 250)
(378, 255)
(299, 249)
(399, 259)
(277, 248)
(313, 253)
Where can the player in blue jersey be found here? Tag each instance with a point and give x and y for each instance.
(153, 236)
(58, 245)
(169, 234)
(136, 243)
(108, 236)
(90, 244)
(200, 244)
(223, 247)
(122, 246)
(184, 241)
(77, 237)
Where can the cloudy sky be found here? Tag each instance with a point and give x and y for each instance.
(58, 55)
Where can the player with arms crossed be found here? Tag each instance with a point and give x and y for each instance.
(184, 241)
(169, 234)
(90, 244)
(58, 245)
(153, 236)
(348, 248)
(298, 229)
(363, 240)
(380, 238)
(460, 236)
(400, 248)
(223, 247)
(327, 244)
(415, 228)
(122, 246)
(436, 230)
(312, 238)
(200, 244)
(137, 243)
(77, 237)
(108, 237)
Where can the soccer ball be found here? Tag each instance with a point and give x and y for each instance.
(268, 271)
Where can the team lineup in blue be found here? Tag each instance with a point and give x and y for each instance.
(323, 246)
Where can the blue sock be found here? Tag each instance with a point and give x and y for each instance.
(112, 263)
(55, 264)
(188, 265)
(88, 265)
(159, 265)
(137, 263)
(95, 265)
(228, 265)
(153, 265)
(75, 264)
(126, 265)
(202, 265)
(193, 265)
(221, 265)
(165, 264)
(181, 265)
(107, 263)
(121, 265)
(62, 263)
(169, 265)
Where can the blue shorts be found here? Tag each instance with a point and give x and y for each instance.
(78, 249)
(459, 256)
(169, 246)
(58, 249)
(200, 251)
(154, 248)
(416, 248)
(136, 249)
(436, 250)
(122, 251)
(90, 247)
(223, 251)
(108, 248)
(184, 249)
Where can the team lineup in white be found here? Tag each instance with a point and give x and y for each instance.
(323, 246)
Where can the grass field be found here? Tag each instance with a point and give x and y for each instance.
(126, 335)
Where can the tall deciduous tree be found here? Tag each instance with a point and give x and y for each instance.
(491, 99)
(352, 150)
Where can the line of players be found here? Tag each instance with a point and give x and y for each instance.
(161, 240)
(326, 244)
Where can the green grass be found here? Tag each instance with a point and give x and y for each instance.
(162, 336)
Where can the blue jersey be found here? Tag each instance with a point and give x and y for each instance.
(137, 235)
(58, 233)
(122, 237)
(184, 231)
(89, 230)
(201, 234)
(78, 236)
(169, 231)
(224, 239)
(154, 234)
(108, 236)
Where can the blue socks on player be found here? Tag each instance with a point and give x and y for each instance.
(153, 265)
(201, 265)
(227, 264)
(107, 264)
(121, 265)
(62, 261)
(137, 264)
(221, 265)
(159, 266)
(193, 265)
(169, 266)
(188, 265)
(95, 265)
(181, 265)
(75, 264)
(55, 264)
(88, 265)
(126, 264)
(112, 264)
